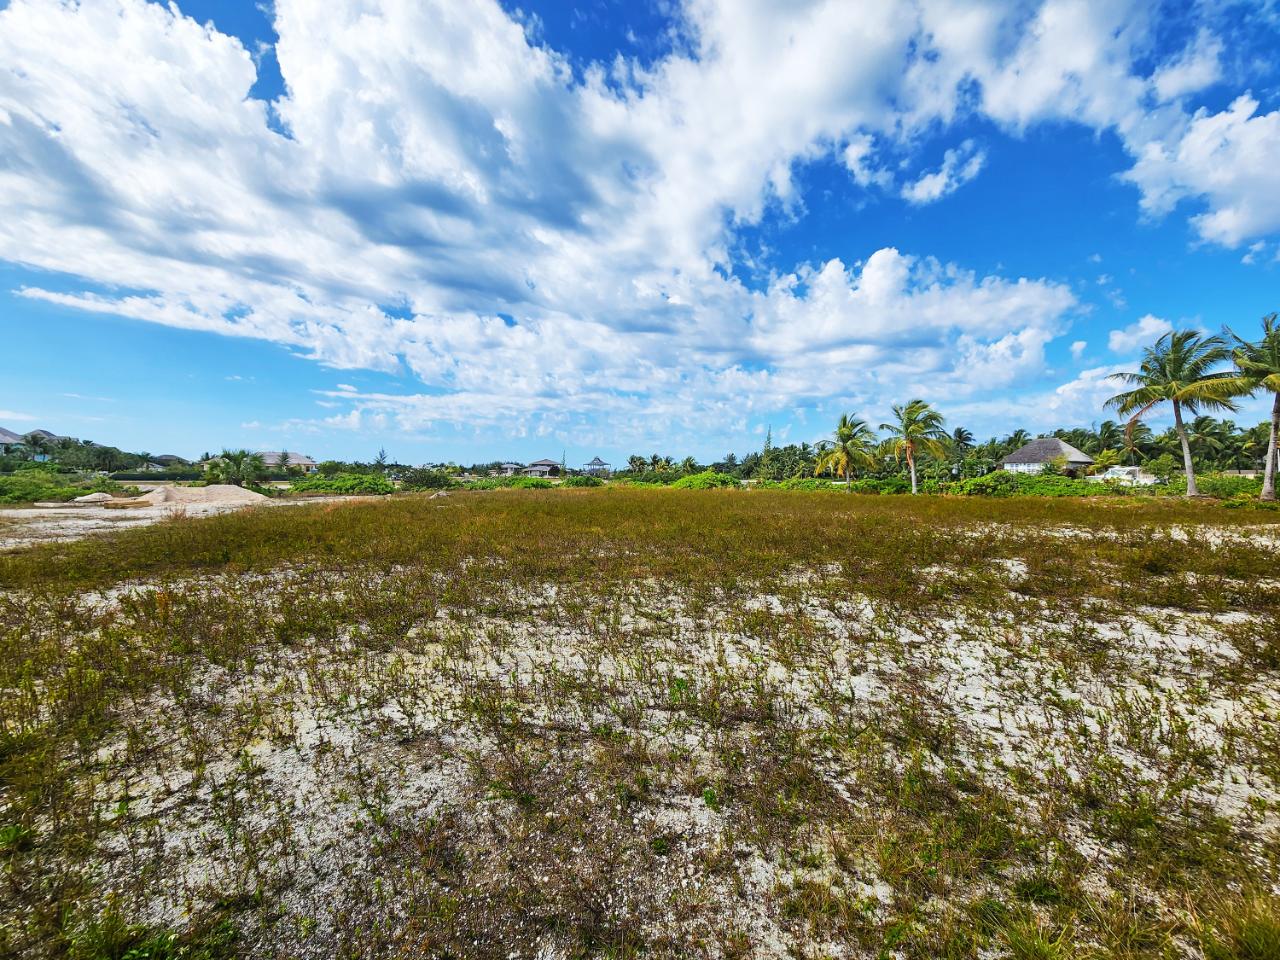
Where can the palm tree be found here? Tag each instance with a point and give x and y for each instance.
(1110, 436)
(35, 445)
(1016, 440)
(917, 428)
(688, 465)
(637, 463)
(237, 467)
(1178, 368)
(1258, 368)
(961, 440)
(851, 444)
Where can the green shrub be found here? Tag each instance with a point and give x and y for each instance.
(424, 478)
(706, 480)
(345, 483)
(39, 483)
(881, 485)
(1221, 485)
(1003, 483)
(583, 481)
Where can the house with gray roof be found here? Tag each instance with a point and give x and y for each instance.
(285, 459)
(543, 468)
(1039, 453)
(9, 440)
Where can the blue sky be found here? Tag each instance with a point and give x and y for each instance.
(482, 231)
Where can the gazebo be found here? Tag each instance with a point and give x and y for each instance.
(596, 467)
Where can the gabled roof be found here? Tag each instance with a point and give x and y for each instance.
(545, 463)
(170, 458)
(1045, 449)
(272, 458)
(597, 462)
(513, 466)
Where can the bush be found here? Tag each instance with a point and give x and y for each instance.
(347, 483)
(39, 483)
(1221, 485)
(583, 481)
(1003, 483)
(706, 480)
(881, 485)
(423, 478)
(509, 483)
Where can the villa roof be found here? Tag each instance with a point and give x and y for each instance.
(545, 463)
(1044, 449)
(272, 458)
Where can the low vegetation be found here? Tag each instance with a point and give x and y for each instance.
(34, 483)
(625, 722)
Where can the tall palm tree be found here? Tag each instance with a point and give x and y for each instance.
(961, 440)
(1258, 368)
(916, 428)
(852, 443)
(1178, 368)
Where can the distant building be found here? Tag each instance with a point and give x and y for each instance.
(1038, 454)
(170, 461)
(595, 468)
(510, 469)
(9, 440)
(542, 468)
(282, 460)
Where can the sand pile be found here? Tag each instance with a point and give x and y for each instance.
(93, 498)
(214, 493)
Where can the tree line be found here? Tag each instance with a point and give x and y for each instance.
(1190, 372)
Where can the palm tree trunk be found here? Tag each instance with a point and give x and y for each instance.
(911, 464)
(1192, 489)
(1269, 474)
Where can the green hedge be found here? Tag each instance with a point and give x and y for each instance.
(346, 483)
(509, 483)
(1003, 483)
(583, 481)
(706, 480)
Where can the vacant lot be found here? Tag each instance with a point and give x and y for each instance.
(620, 723)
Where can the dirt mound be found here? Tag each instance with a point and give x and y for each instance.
(214, 493)
(93, 498)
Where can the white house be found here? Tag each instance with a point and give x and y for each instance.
(1038, 454)
(510, 469)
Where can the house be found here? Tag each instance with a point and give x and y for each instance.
(542, 468)
(285, 459)
(9, 441)
(510, 469)
(170, 461)
(1038, 454)
(595, 468)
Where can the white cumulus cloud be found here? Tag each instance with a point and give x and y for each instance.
(1142, 332)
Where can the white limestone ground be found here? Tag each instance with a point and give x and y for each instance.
(310, 771)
